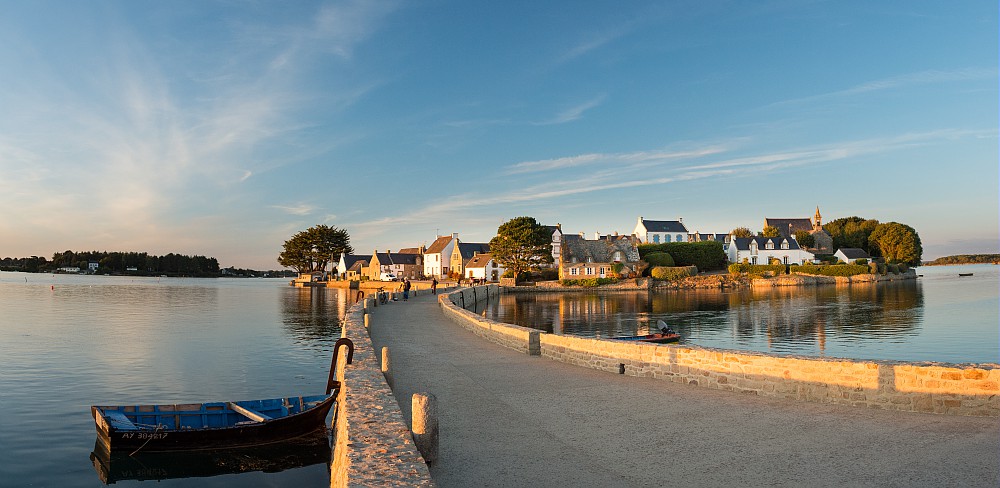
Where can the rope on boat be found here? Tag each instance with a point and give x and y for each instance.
(151, 436)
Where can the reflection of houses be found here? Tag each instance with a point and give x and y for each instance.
(403, 265)
(760, 250)
(437, 258)
(464, 252)
(351, 265)
(788, 227)
(483, 266)
(659, 231)
(582, 258)
(851, 254)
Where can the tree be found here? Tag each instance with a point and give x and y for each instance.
(522, 244)
(741, 232)
(852, 232)
(805, 239)
(897, 243)
(770, 231)
(314, 248)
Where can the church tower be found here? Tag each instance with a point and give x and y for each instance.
(818, 220)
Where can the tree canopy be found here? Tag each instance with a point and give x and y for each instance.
(314, 248)
(770, 231)
(852, 232)
(741, 232)
(897, 243)
(522, 244)
(805, 239)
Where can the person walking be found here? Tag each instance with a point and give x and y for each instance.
(406, 289)
(434, 286)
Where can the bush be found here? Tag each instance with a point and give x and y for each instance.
(832, 270)
(589, 282)
(547, 274)
(706, 255)
(659, 259)
(861, 262)
(757, 269)
(893, 268)
(670, 273)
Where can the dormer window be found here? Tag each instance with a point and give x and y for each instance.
(769, 245)
(618, 257)
(784, 244)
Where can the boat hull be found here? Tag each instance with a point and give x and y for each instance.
(170, 430)
(653, 338)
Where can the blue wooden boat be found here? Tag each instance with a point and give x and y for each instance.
(214, 425)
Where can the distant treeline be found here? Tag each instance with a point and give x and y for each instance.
(137, 263)
(965, 259)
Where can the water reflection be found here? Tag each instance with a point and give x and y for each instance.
(159, 466)
(854, 321)
(313, 315)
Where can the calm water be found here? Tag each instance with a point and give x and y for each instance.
(68, 342)
(939, 317)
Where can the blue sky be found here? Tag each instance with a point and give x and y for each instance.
(222, 128)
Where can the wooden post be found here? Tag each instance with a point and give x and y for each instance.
(386, 366)
(425, 425)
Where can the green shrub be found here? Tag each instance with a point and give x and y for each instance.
(903, 267)
(659, 259)
(706, 255)
(547, 274)
(861, 262)
(589, 282)
(832, 270)
(757, 269)
(665, 273)
(893, 268)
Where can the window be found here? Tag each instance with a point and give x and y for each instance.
(574, 271)
(589, 271)
(769, 245)
(618, 257)
(666, 238)
(680, 238)
(603, 271)
(656, 238)
(784, 245)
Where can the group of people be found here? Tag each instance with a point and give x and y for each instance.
(406, 286)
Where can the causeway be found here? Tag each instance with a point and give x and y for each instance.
(510, 419)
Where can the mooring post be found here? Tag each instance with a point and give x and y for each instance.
(368, 323)
(425, 425)
(386, 366)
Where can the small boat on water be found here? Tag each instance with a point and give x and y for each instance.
(215, 425)
(658, 338)
(965, 274)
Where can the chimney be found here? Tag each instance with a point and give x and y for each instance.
(597, 235)
(680, 219)
(454, 235)
(559, 226)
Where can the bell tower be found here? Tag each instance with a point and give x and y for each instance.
(818, 219)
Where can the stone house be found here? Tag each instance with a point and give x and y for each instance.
(660, 231)
(464, 252)
(437, 257)
(851, 254)
(760, 250)
(350, 265)
(403, 265)
(788, 227)
(483, 266)
(582, 258)
(699, 237)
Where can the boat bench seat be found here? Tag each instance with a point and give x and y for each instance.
(248, 413)
(118, 420)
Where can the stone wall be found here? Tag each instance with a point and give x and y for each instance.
(373, 443)
(519, 338)
(916, 387)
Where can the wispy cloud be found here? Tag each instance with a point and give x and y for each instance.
(297, 209)
(909, 79)
(573, 113)
(609, 159)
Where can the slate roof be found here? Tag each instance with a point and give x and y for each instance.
(698, 237)
(409, 250)
(599, 251)
(664, 226)
(356, 267)
(787, 227)
(388, 258)
(469, 249)
(350, 259)
(438, 245)
(479, 261)
(854, 253)
(743, 243)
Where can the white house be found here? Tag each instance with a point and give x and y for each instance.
(347, 262)
(760, 250)
(851, 254)
(556, 242)
(659, 231)
(437, 257)
(483, 266)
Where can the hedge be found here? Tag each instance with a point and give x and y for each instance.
(756, 269)
(589, 282)
(832, 270)
(706, 255)
(659, 259)
(669, 273)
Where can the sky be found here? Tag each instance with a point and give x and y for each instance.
(223, 128)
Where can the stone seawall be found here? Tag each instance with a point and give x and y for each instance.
(963, 389)
(373, 443)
